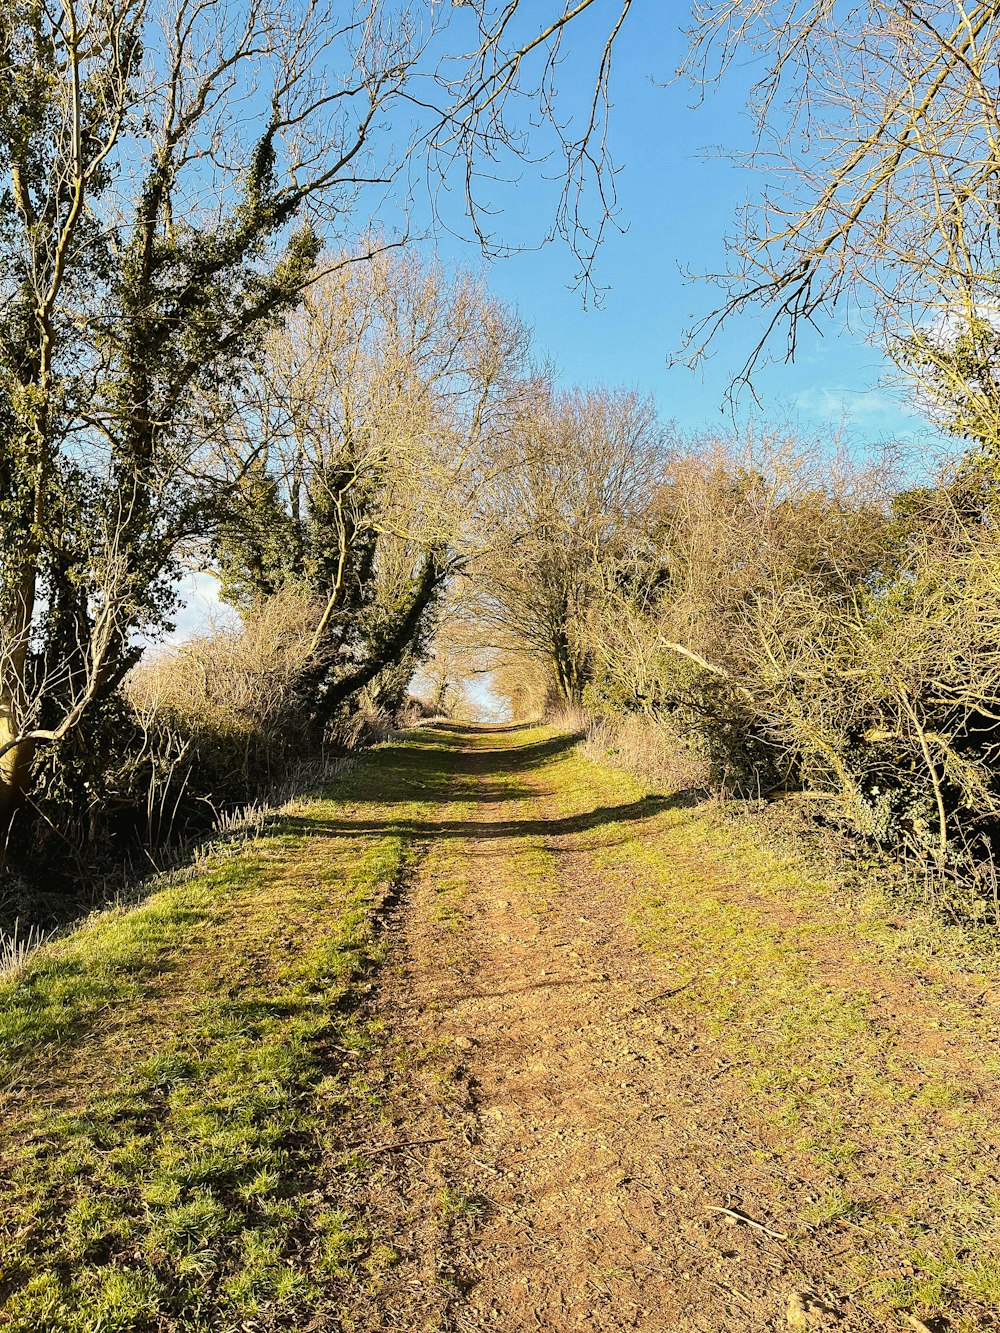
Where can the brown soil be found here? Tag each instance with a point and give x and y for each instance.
(574, 1138)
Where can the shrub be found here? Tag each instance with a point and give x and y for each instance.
(225, 712)
(656, 750)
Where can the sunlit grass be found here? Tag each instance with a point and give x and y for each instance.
(176, 1178)
(186, 1064)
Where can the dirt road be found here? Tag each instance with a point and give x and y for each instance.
(685, 1089)
(491, 1037)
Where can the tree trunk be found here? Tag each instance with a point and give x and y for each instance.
(337, 692)
(571, 676)
(15, 770)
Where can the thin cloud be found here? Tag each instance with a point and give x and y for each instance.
(867, 407)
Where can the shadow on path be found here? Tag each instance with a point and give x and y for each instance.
(482, 728)
(646, 808)
(423, 765)
(442, 765)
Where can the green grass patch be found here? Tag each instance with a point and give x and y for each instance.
(173, 1167)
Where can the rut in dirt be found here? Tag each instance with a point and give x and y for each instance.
(612, 1166)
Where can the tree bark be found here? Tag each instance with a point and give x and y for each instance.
(15, 769)
(338, 691)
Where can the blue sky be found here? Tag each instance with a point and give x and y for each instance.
(678, 200)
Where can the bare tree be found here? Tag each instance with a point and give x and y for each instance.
(879, 133)
(562, 518)
(759, 554)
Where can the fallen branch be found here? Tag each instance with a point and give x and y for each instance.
(747, 1221)
(664, 995)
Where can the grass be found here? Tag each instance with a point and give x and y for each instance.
(177, 1084)
(17, 946)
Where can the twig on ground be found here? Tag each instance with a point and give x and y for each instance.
(665, 994)
(723, 1286)
(747, 1221)
(725, 1067)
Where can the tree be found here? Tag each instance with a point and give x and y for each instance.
(958, 369)
(168, 174)
(562, 515)
(729, 622)
(355, 456)
(879, 129)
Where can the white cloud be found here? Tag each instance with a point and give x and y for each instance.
(200, 608)
(857, 407)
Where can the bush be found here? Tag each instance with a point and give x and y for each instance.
(655, 750)
(225, 713)
(815, 635)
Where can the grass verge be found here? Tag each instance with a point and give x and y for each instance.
(176, 1078)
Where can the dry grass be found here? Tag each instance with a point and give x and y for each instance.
(227, 729)
(654, 751)
(17, 946)
(238, 682)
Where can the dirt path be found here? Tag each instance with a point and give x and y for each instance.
(489, 1037)
(642, 1028)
